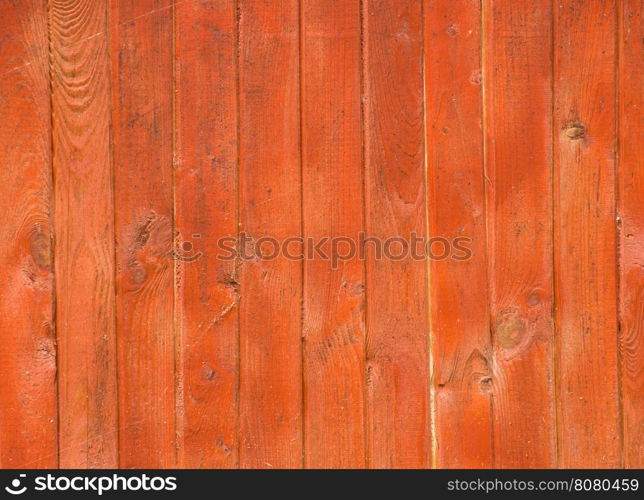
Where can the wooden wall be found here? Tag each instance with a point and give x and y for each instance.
(139, 133)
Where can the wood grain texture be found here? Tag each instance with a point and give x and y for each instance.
(462, 354)
(206, 210)
(270, 193)
(142, 138)
(84, 264)
(334, 372)
(397, 351)
(518, 164)
(585, 234)
(631, 191)
(28, 417)
(142, 50)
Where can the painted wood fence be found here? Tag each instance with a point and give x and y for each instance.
(141, 138)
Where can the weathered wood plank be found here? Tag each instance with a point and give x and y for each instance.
(398, 416)
(462, 354)
(631, 212)
(334, 372)
(206, 210)
(584, 129)
(84, 263)
(142, 85)
(518, 125)
(270, 193)
(28, 413)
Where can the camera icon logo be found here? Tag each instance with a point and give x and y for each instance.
(15, 488)
(184, 250)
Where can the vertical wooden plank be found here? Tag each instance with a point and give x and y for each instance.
(462, 354)
(28, 356)
(397, 320)
(206, 210)
(631, 189)
(84, 263)
(585, 255)
(333, 207)
(270, 199)
(142, 39)
(518, 124)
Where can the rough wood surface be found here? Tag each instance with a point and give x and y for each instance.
(398, 405)
(518, 164)
(631, 213)
(84, 264)
(151, 148)
(206, 210)
(142, 87)
(461, 349)
(270, 190)
(584, 128)
(333, 329)
(28, 413)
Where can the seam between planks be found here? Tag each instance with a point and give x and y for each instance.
(300, 52)
(237, 263)
(490, 357)
(237, 16)
(177, 342)
(112, 140)
(433, 443)
(365, 400)
(618, 222)
(553, 180)
(52, 212)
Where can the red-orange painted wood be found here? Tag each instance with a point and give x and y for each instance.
(139, 133)
(584, 129)
(270, 317)
(206, 209)
(28, 416)
(334, 367)
(397, 350)
(518, 164)
(461, 350)
(631, 212)
(142, 49)
(84, 264)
